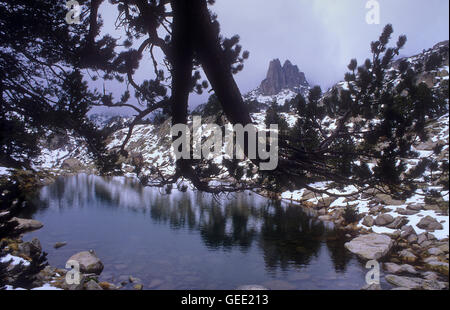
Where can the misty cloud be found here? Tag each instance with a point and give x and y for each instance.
(320, 36)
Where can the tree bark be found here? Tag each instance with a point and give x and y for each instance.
(210, 54)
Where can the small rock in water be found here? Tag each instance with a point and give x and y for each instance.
(89, 262)
(107, 286)
(25, 225)
(138, 287)
(59, 245)
(134, 280)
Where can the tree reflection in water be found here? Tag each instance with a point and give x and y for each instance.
(286, 235)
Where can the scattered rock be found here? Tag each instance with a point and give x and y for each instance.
(433, 285)
(399, 269)
(369, 247)
(93, 286)
(72, 164)
(375, 210)
(430, 224)
(325, 202)
(75, 286)
(407, 256)
(388, 200)
(29, 249)
(402, 211)
(384, 219)
(398, 223)
(134, 280)
(437, 266)
(444, 248)
(107, 286)
(368, 221)
(372, 287)
(412, 238)
(407, 231)
(426, 244)
(432, 208)
(89, 262)
(400, 289)
(414, 207)
(435, 251)
(430, 275)
(422, 238)
(138, 287)
(406, 282)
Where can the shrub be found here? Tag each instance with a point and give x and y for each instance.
(350, 215)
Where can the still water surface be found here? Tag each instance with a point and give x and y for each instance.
(191, 240)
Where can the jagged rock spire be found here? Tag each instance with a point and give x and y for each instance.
(279, 78)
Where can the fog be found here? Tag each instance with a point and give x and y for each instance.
(320, 36)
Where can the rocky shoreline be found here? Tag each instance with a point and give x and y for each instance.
(409, 260)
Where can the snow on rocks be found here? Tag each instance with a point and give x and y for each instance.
(14, 260)
(4, 171)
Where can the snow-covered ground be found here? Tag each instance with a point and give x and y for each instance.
(15, 260)
(5, 171)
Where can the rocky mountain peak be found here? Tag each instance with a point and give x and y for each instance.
(280, 77)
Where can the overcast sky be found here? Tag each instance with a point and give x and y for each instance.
(320, 36)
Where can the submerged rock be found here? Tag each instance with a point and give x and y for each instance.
(59, 245)
(372, 246)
